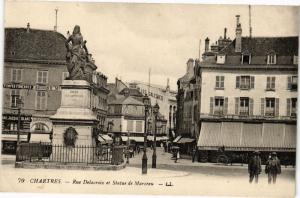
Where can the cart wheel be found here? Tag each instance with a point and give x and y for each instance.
(222, 159)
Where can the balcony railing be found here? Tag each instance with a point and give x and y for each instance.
(244, 112)
(270, 112)
(249, 117)
(218, 112)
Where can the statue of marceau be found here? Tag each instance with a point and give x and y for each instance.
(77, 55)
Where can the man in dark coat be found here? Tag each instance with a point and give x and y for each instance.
(273, 168)
(254, 167)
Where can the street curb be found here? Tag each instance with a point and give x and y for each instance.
(46, 165)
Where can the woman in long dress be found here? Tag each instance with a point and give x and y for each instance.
(76, 55)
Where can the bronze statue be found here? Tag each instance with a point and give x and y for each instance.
(77, 55)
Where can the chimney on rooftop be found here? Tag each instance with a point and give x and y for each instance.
(190, 66)
(225, 31)
(238, 35)
(206, 45)
(28, 27)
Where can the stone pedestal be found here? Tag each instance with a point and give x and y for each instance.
(75, 111)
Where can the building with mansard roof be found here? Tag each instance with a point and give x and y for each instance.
(248, 99)
(34, 68)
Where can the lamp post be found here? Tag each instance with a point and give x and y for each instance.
(155, 111)
(146, 101)
(128, 144)
(19, 104)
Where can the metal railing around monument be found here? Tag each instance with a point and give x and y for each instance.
(45, 152)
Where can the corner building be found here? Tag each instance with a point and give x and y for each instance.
(249, 99)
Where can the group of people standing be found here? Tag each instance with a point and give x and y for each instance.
(273, 167)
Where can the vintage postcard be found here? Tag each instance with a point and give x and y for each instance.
(149, 99)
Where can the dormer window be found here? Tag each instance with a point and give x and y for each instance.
(271, 60)
(246, 58)
(295, 60)
(221, 59)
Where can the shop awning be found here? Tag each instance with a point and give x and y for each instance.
(135, 138)
(39, 137)
(107, 138)
(162, 138)
(177, 139)
(101, 139)
(241, 136)
(13, 137)
(185, 140)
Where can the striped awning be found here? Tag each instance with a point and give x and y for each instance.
(177, 139)
(107, 138)
(101, 139)
(13, 137)
(185, 140)
(247, 136)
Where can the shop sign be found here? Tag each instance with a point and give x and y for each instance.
(14, 117)
(17, 86)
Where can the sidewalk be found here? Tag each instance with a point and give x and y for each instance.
(164, 161)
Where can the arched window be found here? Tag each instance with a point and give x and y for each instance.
(40, 127)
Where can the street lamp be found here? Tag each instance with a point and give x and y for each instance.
(146, 101)
(19, 104)
(155, 112)
(128, 144)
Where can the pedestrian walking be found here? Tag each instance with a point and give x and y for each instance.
(273, 168)
(177, 156)
(194, 151)
(254, 167)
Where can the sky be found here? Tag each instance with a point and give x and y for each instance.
(127, 39)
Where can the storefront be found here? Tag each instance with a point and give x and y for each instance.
(10, 131)
(240, 138)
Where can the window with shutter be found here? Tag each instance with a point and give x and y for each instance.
(237, 105)
(246, 82)
(15, 96)
(238, 79)
(262, 106)
(250, 106)
(16, 75)
(42, 77)
(270, 83)
(220, 82)
(244, 107)
(211, 105)
(288, 107)
(41, 100)
(294, 83)
(293, 107)
(277, 107)
(289, 84)
(225, 109)
(252, 82)
(219, 106)
(270, 109)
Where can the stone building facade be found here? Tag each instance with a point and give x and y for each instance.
(248, 98)
(34, 68)
(165, 98)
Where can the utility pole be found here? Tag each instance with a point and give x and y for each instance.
(55, 27)
(250, 27)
